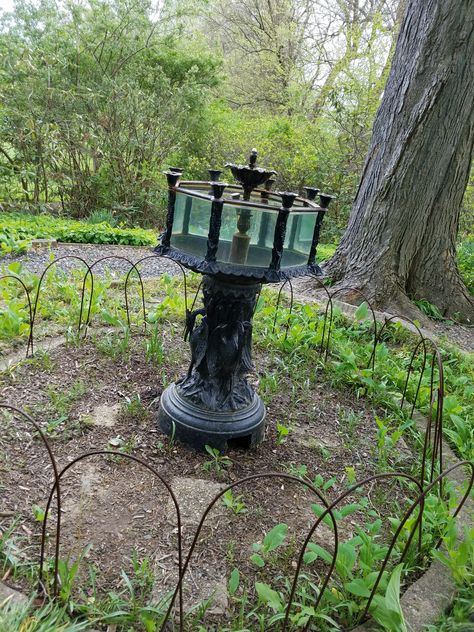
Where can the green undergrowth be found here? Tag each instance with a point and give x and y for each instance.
(350, 350)
(18, 229)
(465, 253)
(325, 251)
(258, 603)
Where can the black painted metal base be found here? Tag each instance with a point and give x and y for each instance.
(199, 427)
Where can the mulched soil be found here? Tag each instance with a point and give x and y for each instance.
(119, 507)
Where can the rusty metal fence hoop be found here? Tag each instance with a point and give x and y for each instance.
(244, 480)
(374, 320)
(48, 267)
(328, 511)
(156, 256)
(56, 484)
(132, 267)
(47, 445)
(436, 360)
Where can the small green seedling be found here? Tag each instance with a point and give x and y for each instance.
(39, 513)
(274, 539)
(218, 461)
(234, 503)
(282, 433)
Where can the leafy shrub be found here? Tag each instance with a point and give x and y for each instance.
(102, 216)
(18, 230)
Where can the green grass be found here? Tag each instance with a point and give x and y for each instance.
(465, 254)
(48, 618)
(325, 251)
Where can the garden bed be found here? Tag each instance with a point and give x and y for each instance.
(85, 400)
(104, 393)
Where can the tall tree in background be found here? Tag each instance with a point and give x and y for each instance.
(288, 55)
(401, 236)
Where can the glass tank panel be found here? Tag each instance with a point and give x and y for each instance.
(191, 224)
(246, 236)
(298, 238)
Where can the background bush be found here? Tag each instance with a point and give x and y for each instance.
(17, 230)
(98, 97)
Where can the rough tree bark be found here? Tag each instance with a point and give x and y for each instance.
(402, 230)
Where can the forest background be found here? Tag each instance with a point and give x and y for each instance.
(97, 97)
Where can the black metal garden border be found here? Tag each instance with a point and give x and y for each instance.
(435, 427)
(415, 508)
(431, 475)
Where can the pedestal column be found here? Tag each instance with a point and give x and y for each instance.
(213, 403)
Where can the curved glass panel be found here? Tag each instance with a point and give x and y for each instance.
(246, 234)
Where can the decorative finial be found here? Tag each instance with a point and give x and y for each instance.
(288, 199)
(253, 158)
(218, 189)
(172, 177)
(311, 192)
(325, 199)
(215, 174)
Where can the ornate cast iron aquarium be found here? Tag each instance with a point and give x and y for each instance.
(238, 236)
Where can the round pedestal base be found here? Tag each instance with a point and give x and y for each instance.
(199, 427)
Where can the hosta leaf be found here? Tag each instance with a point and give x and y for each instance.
(275, 537)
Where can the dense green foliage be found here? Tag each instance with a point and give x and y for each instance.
(466, 263)
(97, 98)
(17, 230)
(94, 98)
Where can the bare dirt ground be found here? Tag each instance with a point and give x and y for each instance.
(86, 400)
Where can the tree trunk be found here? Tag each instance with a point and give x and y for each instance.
(402, 230)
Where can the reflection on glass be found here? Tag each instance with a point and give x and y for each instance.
(246, 235)
(191, 224)
(299, 235)
(241, 239)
